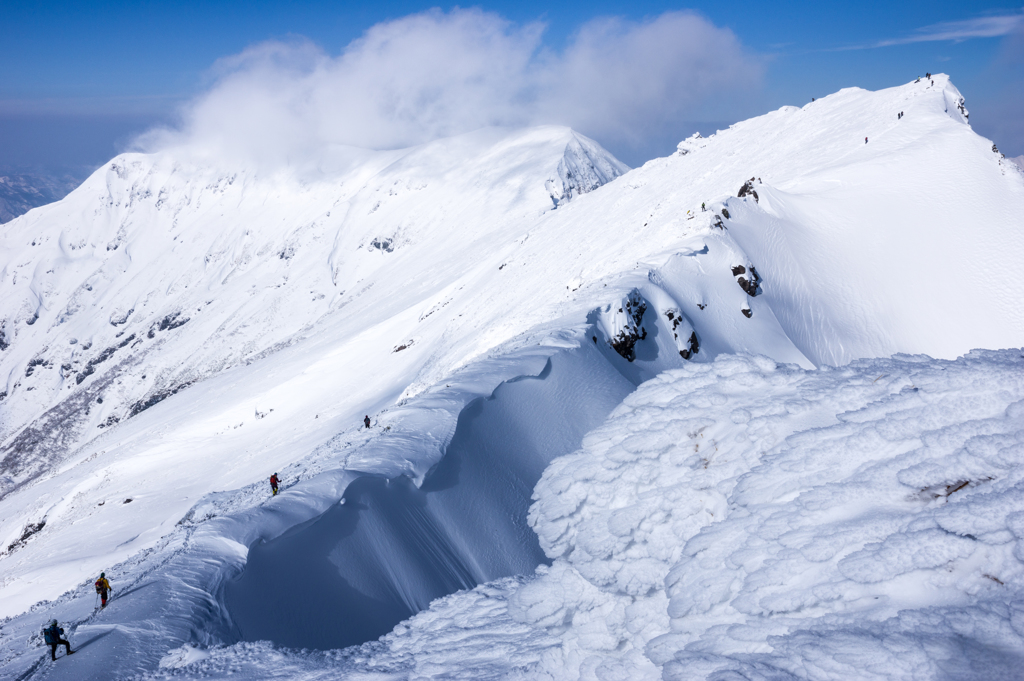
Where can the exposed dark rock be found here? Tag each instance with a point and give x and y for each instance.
(382, 244)
(38, 361)
(747, 188)
(693, 349)
(717, 222)
(4, 343)
(172, 321)
(747, 312)
(156, 398)
(90, 366)
(624, 342)
(750, 284)
(85, 373)
(111, 420)
(725, 212)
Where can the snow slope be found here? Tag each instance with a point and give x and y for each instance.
(746, 519)
(174, 330)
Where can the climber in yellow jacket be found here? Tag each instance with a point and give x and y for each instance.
(103, 587)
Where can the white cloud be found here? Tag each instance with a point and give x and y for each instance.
(994, 26)
(424, 76)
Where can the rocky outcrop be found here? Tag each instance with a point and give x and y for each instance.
(623, 324)
(683, 333)
(748, 279)
(747, 190)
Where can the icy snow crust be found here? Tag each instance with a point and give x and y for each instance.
(173, 333)
(745, 519)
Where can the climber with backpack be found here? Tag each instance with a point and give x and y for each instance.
(54, 636)
(274, 482)
(102, 588)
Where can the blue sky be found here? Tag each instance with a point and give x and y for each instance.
(78, 80)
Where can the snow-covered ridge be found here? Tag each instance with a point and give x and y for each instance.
(227, 325)
(139, 273)
(744, 519)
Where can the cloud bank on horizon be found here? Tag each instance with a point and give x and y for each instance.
(436, 74)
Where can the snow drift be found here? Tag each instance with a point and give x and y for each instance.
(746, 519)
(174, 333)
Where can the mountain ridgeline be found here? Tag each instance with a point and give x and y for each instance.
(174, 331)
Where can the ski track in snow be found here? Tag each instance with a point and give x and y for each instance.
(171, 332)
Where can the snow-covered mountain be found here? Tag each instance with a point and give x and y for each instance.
(173, 332)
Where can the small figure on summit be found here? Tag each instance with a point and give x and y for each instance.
(366, 420)
(865, 140)
(702, 208)
(274, 481)
(54, 636)
(102, 588)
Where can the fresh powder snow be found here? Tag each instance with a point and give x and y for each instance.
(608, 435)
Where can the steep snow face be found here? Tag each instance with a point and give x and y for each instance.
(234, 325)
(389, 548)
(745, 519)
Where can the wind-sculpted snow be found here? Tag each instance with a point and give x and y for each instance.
(389, 548)
(171, 334)
(730, 514)
(744, 519)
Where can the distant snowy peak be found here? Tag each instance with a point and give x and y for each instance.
(584, 167)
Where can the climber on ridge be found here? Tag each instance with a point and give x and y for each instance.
(366, 420)
(274, 481)
(102, 588)
(53, 635)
